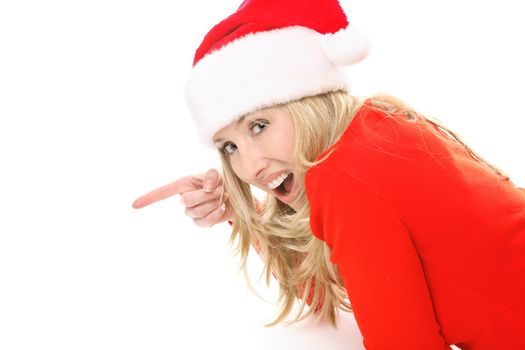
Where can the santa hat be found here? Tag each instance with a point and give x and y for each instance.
(267, 53)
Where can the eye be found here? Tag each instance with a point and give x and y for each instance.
(228, 148)
(259, 126)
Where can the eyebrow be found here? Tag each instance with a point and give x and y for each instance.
(238, 123)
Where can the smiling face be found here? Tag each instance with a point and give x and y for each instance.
(260, 148)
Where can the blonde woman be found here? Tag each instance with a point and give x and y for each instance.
(370, 207)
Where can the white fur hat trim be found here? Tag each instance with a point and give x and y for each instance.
(268, 68)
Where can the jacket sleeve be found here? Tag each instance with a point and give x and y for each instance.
(377, 260)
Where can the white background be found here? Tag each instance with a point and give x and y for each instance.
(92, 116)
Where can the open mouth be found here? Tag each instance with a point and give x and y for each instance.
(283, 190)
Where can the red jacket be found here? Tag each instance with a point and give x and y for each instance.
(430, 243)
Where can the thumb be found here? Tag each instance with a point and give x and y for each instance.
(211, 180)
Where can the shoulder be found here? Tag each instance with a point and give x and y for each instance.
(381, 148)
(386, 158)
(372, 141)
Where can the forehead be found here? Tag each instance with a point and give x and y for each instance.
(270, 112)
(233, 125)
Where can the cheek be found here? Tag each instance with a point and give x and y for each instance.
(288, 145)
(236, 168)
(280, 143)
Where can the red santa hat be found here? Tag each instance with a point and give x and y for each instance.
(267, 53)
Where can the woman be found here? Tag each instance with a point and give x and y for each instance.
(365, 199)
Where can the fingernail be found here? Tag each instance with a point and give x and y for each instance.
(208, 187)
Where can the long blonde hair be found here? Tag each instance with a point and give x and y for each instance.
(299, 261)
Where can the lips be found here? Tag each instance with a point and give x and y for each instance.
(290, 195)
(277, 181)
(267, 180)
(277, 191)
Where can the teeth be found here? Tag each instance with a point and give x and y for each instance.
(277, 181)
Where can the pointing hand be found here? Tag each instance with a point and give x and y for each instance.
(203, 196)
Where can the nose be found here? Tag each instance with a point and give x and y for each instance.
(253, 163)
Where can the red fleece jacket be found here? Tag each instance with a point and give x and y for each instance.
(430, 242)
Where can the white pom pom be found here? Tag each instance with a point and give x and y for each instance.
(346, 47)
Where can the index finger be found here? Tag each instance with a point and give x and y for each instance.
(184, 184)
